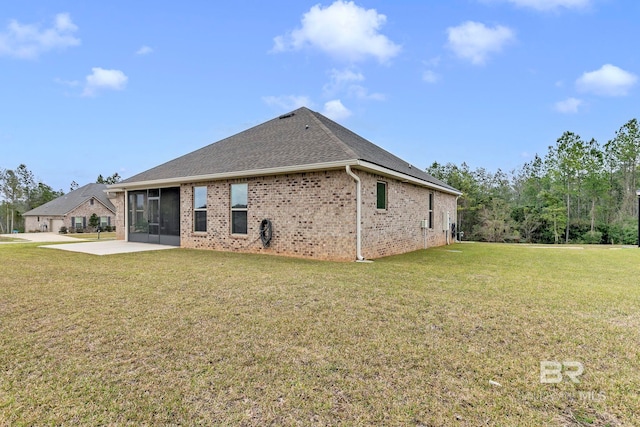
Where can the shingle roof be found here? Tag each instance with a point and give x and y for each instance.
(301, 137)
(68, 202)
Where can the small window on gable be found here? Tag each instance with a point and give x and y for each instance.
(430, 210)
(91, 202)
(381, 195)
(200, 209)
(239, 211)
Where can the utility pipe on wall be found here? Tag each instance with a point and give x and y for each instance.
(359, 256)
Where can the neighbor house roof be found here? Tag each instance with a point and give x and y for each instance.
(302, 140)
(68, 202)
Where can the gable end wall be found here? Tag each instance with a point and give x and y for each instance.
(85, 210)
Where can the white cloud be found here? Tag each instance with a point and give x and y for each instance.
(144, 50)
(346, 76)
(360, 92)
(342, 30)
(568, 106)
(70, 83)
(547, 5)
(101, 79)
(345, 81)
(430, 76)
(335, 110)
(475, 41)
(28, 41)
(609, 80)
(339, 79)
(287, 102)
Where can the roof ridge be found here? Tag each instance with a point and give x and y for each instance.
(333, 136)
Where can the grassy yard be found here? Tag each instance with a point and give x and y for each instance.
(111, 235)
(445, 337)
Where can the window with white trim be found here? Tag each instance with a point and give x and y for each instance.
(239, 211)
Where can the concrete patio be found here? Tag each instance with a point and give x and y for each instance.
(94, 247)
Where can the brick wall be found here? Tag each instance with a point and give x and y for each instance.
(397, 229)
(313, 215)
(118, 202)
(85, 210)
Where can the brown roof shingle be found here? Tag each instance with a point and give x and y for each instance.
(301, 137)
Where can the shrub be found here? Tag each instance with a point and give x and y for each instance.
(592, 237)
(94, 221)
(623, 232)
(63, 230)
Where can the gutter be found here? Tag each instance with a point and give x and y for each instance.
(359, 256)
(360, 164)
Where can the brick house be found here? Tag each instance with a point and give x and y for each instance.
(297, 185)
(72, 210)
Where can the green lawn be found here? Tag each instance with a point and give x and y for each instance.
(200, 337)
(111, 235)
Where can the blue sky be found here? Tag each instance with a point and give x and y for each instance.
(94, 88)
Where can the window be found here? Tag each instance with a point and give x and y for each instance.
(91, 202)
(105, 221)
(77, 222)
(430, 210)
(239, 208)
(381, 195)
(199, 208)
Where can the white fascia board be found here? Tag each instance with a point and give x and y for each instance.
(170, 182)
(372, 167)
(360, 164)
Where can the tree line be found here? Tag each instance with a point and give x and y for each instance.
(21, 192)
(579, 192)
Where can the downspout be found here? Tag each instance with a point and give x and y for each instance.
(359, 256)
(455, 238)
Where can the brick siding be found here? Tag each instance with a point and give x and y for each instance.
(397, 229)
(84, 210)
(314, 215)
(118, 202)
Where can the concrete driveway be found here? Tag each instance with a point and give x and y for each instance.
(41, 237)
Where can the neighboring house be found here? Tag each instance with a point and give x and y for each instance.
(327, 193)
(72, 210)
